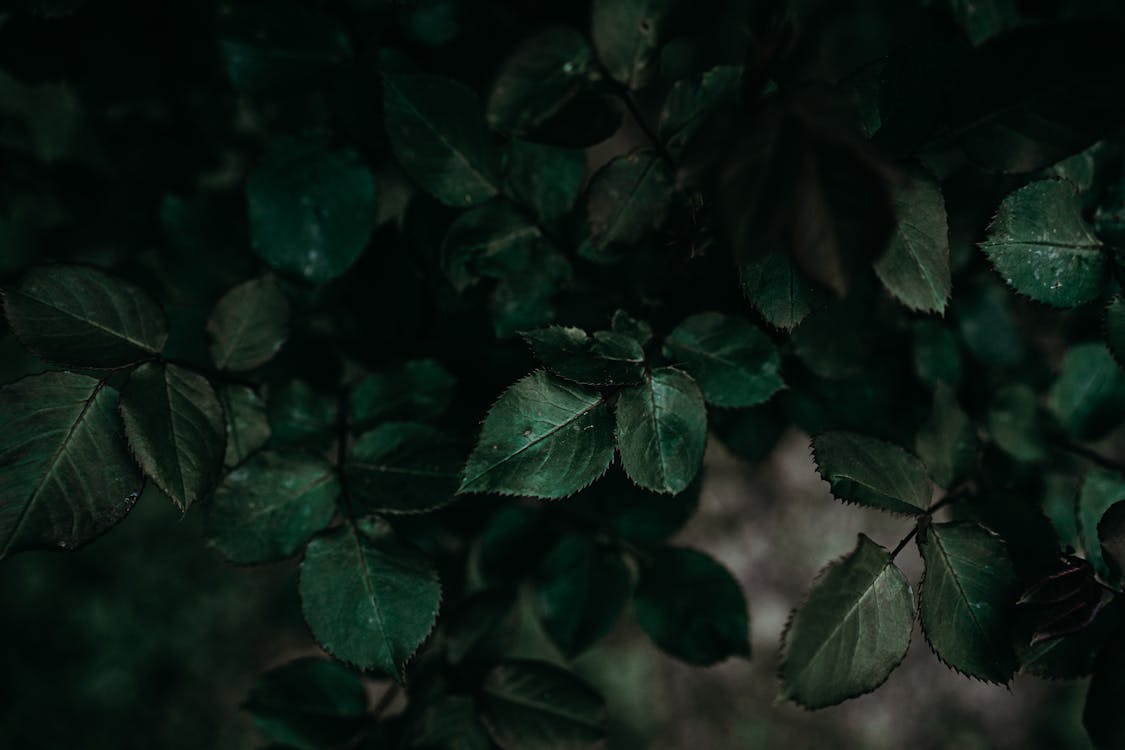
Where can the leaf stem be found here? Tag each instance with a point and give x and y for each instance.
(957, 493)
(904, 541)
(1090, 455)
(385, 701)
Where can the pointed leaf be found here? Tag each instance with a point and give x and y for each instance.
(418, 389)
(915, 268)
(689, 103)
(267, 509)
(947, 442)
(606, 358)
(639, 330)
(82, 316)
(1043, 248)
(967, 595)
(369, 598)
(662, 430)
(490, 241)
(628, 198)
(692, 607)
(1111, 532)
(779, 291)
(547, 179)
(403, 467)
(544, 438)
(249, 325)
(734, 363)
(533, 705)
(872, 472)
(627, 35)
(438, 134)
(309, 703)
(1100, 491)
(248, 428)
(65, 476)
(176, 430)
(851, 632)
(1088, 396)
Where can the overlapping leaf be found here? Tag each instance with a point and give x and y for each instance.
(872, 472)
(734, 363)
(604, 358)
(662, 430)
(531, 705)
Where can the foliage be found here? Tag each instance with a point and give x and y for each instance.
(449, 304)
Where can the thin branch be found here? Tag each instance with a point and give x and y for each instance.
(905, 541)
(626, 97)
(1090, 455)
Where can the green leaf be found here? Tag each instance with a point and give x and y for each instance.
(1100, 491)
(523, 299)
(627, 35)
(494, 241)
(543, 438)
(418, 389)
(937, 358)
(403, 467)
(967, 594)
(624, 510)
(547, 179)
(915, 267)
(689, 103)
(628, 198)
(249, 325)
(533, 705)
(1115, 328)
(312, 209)
(84, 317)
(1102, 715)
(734, 363)
(1088, 396)
(309, 703)
(176, 429)
(580, 590)
(545, 73)
(448, 721)
(300, 417)
(606, 358)
(851, 632)
(691, 607)
(1111, 533)
(369, 598)
(267, 509)
(639, 330)
(1014, 423)
(65, 476)
(779, 291)
(1043, 248)
(872, 472)
(248, 428)
(438, 134)
(662, 430)
(947, 442)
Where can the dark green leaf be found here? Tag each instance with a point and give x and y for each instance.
(300, 417)
(176, 430)
(65, 476)
(967, 595)
(369, 598)
(418, 389)
(1115, 328)
(1100, 491)
(851, 632)
(689, 103)
(1111, 532)
(628, 198)
(449, 721)
(494, 241)
(936, 356)
(403, 467)
(249, 325)
(580, 590)
(547, 179)
(309, 704)
(606, 358)
(1043, 248)
(544, 438)
(638, 330)
(662, 430)
(779, 291)
(915, 268)
(81, 316)
(624, 510)
(1014, 423)
(1088, 397)
(532, 705)
(524, 299)
(267, 509)
(312, 209)
(437, 131)
(248, 428)
(692, 607)
(872, 472)
(627, 35)
(831, 341)
(947, 443)
(734, 363)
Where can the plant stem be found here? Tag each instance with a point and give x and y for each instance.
(957, 493)
(904, 541)
(1090, 455)
(626, 97)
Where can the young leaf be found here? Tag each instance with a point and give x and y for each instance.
(691, 607)
(312, 209)
(627, 35)
(628, 198)
(915, 267)
(1102, 715)
(438, 134)
(606, 358)
(494, 241)
(1100, 491)
(403, 467)
(734, 363)
(547, 179)
(662, 430)
(580, 590)
(369, 598)
(780, 292)
(966, 596)
(418, 389)
(308, 704)
(851, 632)
(267, 509)
(872, 472)
(176, 429)
(65, 476)
(533, 705)
(689, 103)
(1043, 248)
(947, 442)
(543, 438)
(84, 317)
(1088, 397)
(248, 428)
(249, 325)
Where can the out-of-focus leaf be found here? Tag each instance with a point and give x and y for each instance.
(628, 198)
(1088, 396)
(308, 704)
(548, 179)
(628, 34)
(532, 705)
(947, 443)
(605, 358)
(1100, 491)
(689, 103)
(1015, 425)
(734, 363)
(248, 427)
(403, 467)
(417, 389)
(249, 325)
